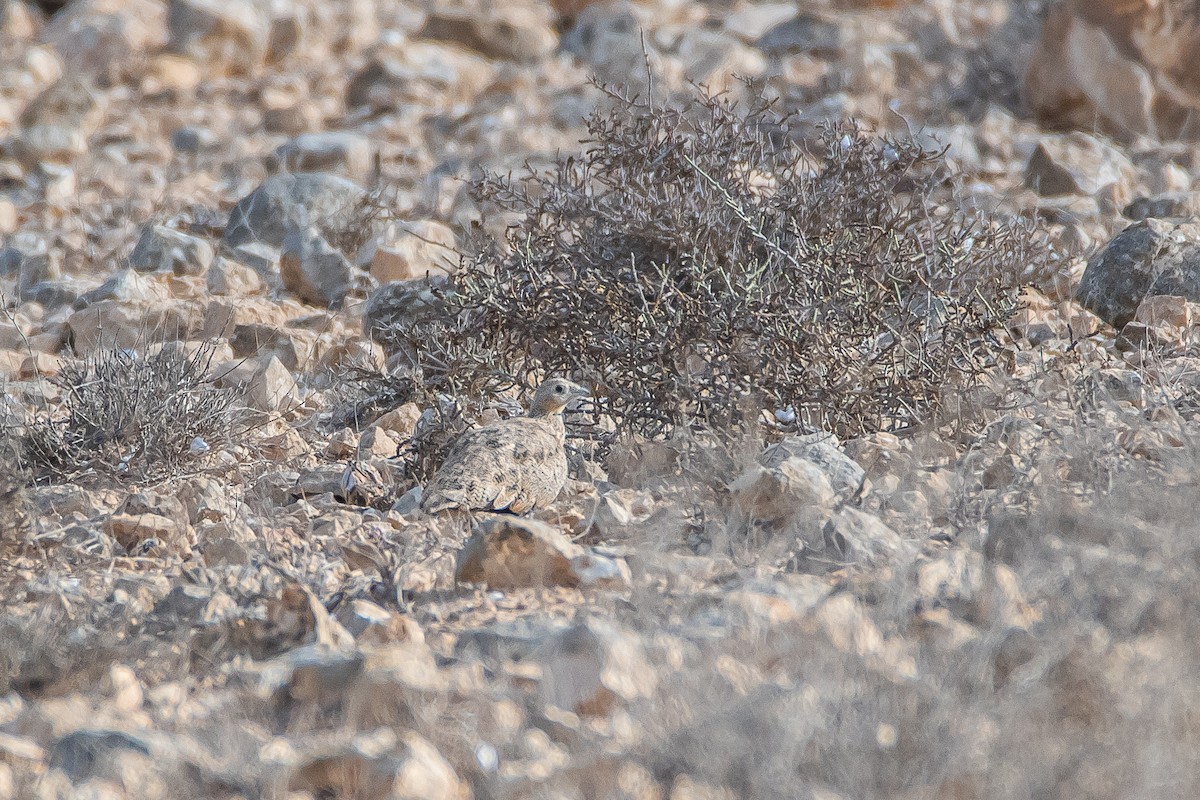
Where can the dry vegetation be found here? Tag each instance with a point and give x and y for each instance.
(695, 262)
(885, 516)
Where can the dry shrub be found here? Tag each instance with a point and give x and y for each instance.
(697, 264)
(130, 416)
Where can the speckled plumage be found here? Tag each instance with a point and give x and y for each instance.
(514, 465)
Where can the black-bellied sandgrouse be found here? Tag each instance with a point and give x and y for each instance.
(515, 465)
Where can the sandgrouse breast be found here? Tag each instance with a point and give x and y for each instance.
(514, 465)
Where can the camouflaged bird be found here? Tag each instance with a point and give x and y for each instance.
(515, 465)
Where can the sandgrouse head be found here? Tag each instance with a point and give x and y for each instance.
(554, 395)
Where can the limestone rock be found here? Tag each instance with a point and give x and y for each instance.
(845, 475)
(514, 32)
(1079, 163)
(512, 553)
(223, 34)
(285, 202)
(593, 668)
(411, 250)
(100, 37)
(316, 271)
(792, 487)
(341, 152)
(1129, 68)
(1152, 257)
(857, 537)
(267, 385)
(1171, 205)
(160, 248)
(419, 73)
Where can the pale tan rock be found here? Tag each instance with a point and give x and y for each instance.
(510, 553)
(516, 464)
(377, 442)
(414, 250)
(1127, 67)
(132, 531)
(1165, 309)
(594, 668)
(267, 385)
(39, 365)
(793, 487)
(401, 422)
(227, 35)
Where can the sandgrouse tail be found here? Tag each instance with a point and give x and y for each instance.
(515, 465)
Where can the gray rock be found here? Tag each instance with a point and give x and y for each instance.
(1172, 205)
(419, 73)
(31, 261)
(289, 30)
(1077, 163)
(192, 140)
(286, 202)
(124, 285)
(607, 37)
(164, 249)
(228, 34)
(314, 270)
(98, 38)
(806, 33)
(1152, 257)
(511, 552)
(821, 449)
(856, 537)
(52, 143)
(394, 304)
(78, 752)
(349, 154)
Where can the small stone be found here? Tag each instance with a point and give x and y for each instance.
(857, 537)
(52, 143)
(845, 475)
(422, 73)
(511, 553)
(377, 442)
(171, 75)
(289, 30)
(227, 277)
(751, 22)
(285, 202)
(230, 35)
(515, 32)
(1174, 205)
(806, 33)
(793, 487)
(412, 250)
(349, 154)
(400, 422)
(1079, 163)
(256, 339)
(192, 140)
(136, 532)
(160, 248)
(266, 384)
(1165, 309)
(314, 270)
(593, 668)
(1151, 257)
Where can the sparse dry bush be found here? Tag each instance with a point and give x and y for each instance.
(130, 416)
(691, 260)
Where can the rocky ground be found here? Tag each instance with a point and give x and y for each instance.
(199, 198)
